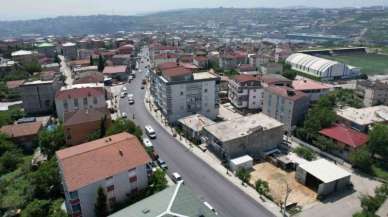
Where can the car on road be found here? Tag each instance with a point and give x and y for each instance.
(130, 78)
(176, 177)
(131, 99)
(142, 87)
(144, 81)
(124, 115)
(123, 94)
(147, 143)
(162, 164)
(150, 132)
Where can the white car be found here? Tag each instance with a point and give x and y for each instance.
(124, 115)
(131, 99)
(147, 143)
(123, 94)
(130, 78)
(176, 177)
(150, 132)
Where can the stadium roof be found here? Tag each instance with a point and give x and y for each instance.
(312, 62)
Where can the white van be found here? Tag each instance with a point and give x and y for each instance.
(176, 177)
(150, 132)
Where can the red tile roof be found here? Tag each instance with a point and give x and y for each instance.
(177, 71)
(245, 78)
(79, 92)
(94, 161)
(167, 65)
(345, 135)
(20, 130)
(274, 78)
(165, 56)
(115, 69)
(84, 116)
(286, 92)
(307, 84)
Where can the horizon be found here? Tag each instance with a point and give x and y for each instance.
(47, 9)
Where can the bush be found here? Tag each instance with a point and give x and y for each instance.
(361, 159)
(305, 153)
(262, 188)
(243, 175)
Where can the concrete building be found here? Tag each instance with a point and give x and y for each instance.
(39, 96)
(285, 105)
(246, 92)
(321, 68)
(79, 96)
(322, 176)
(47, 49)
(372, 92)
(271, 68)
(179, 92)
(23, 56)
(252, 135)
(117, 164)
(231, 60)
(69, 51)
(164, 58)
(81, 123)
(177, 200)
(313, 89)
(193, 125)
(363, 118)
(120, 72)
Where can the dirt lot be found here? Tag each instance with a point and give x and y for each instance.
(277, 179)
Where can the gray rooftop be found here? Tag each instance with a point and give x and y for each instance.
(177, 200)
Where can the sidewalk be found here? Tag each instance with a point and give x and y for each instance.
(210, 159)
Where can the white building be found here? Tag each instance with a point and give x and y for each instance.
(70, 51)
(179, 92)
(23, 56)
(246, 92)
(79, 96)
(117, 164)
(321, 68)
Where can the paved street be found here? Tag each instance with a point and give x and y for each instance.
(227, 199)
(66, 71)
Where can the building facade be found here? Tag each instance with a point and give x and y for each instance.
(117, 164)
(285, 105)
(246, 92)
(372, 92)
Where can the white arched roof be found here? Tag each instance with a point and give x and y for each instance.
(312, 62)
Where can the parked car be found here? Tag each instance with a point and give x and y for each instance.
(131, 99)
(176, 177)
(147, 143)
(123, 94)
(150, 132)
(124, 115)
(162, 164)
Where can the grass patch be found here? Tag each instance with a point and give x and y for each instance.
(370, 64)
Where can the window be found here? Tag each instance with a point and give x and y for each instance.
(76, 103)
(95, 100)
(73, 195)
(110, 188)
(205, 90)
(181, 93)
(133, 179)
(65, 105)
(76, 208)
(85, 101)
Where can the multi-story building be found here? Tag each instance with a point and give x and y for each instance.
(230, 60)
(24, 56)
(372, 92)
(252, 135)
(69, 51)
(116, 163)
(285, 104)
(47, 49)
(39, 96)
(313, 89)
(246, 92)
(179, 92)
(79, 96)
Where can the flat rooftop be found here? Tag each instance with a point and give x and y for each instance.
(324, 170)
(204, 75)
(243, 126)
(196, 122)
(364, 116)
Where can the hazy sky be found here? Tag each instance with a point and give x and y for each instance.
(27, 9)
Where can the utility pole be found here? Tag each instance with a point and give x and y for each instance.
(288, 192)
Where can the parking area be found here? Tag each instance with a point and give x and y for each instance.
(278, 180)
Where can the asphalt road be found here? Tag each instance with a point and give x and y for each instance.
(227, 199)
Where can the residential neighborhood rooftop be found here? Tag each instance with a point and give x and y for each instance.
(324, 170)
(115, 69)
(308, 84)
(243, 126)
(20, 130)
(345, 135)
(96, 160)
(196, 122)
(364, 116)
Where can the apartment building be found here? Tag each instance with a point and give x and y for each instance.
(246, 92)
(69, 51)
(372, 92)
(39, 96)
(117, 164)
(313, 89)
(179, 92)
(79, 96)
(285, 104)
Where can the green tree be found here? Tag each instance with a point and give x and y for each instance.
(37, 208)
(306, 153)
(378, 140)
(361, 159)
(101, 63)
(124, 125)
(56, 210)
(10, 160)
(158, 180)
(51, 140)
(5, 144)
(57, 59)
(101, 206)
(325, 144)
(32, 67)
(262, 187)
(45, 181)
(243, 175)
